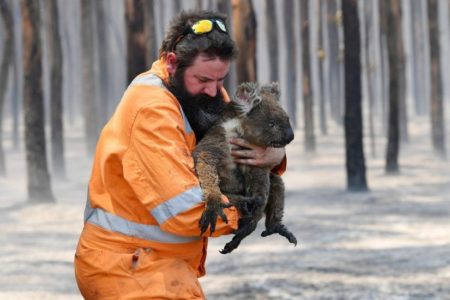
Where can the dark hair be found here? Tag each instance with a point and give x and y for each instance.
(187, 46)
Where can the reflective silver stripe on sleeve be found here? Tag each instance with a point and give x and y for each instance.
(153, 80)
(117, 224)
(178, 204)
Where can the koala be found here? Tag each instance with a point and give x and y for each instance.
(255, 115)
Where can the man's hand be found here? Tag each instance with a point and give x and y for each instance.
(248, 154)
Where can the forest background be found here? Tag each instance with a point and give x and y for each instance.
(368, 182)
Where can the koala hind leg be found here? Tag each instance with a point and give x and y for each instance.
(275, 210)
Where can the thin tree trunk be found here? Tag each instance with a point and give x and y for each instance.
(289, 25)
(437, 103)
(224, 6)
(355, 162)
(369, 68)
(56, 60)
(321, 57)
(136, 46)
(401, 61)
(150, 33)
(310, 140)
(89, 95)
(244, 27)
(272, 39)
(393, 23)
(334, 21)
(39, 188)
(5, 67)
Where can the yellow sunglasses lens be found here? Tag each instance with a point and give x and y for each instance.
(202, 26)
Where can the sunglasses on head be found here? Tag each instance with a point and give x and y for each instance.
(201, 27)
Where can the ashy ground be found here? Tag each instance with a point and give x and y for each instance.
(392, 242)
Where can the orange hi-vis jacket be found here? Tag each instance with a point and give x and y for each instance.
(141, 238)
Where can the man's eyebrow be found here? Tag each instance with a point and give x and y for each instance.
(207, 78)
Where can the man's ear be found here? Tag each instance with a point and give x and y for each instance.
(172, 62)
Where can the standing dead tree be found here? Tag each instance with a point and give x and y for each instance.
(310, 140)
(39, 189)
(244, 29)
(56, 61)
(437, 102)
(5, 67)
(355, 162)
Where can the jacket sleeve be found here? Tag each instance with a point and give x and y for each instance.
(160, 169)
(281, 168)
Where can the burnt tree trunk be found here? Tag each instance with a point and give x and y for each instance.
(56, 61)
(244, 29)
(310, 140)
(321, 66)
(272, 39)
(334, 17)
(437, 103)
(91, 127)
(291, 60)
(393, 23)
(224, 6)
(39, 188)
(401, 61)
(150, 33)
(355, 162)
(136, 45)
(5, 68)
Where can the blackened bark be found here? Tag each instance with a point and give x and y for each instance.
(91, 127)
(437, 103)
(334, 21)
(39, 189)
(56, 61)
(244, 28)
(150, 33)
(272, 39)
(321, 57)
(5, 67)
(136, 46)
(355, 163)
(310, 140)
(291, 60)
(393, 23)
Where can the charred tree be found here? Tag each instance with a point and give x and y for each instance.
(334, 18)
(135, 30)
(224, 6)
(5, 67)
(272, 39)
(150, 33)
(321, 57)
(291, 60)
(91, 126)
(244, 29)
(437, 103)
(355, 162)
(392, 16)
(310, 140)
(39, 187)
(56, 65)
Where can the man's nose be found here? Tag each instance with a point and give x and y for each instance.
(211, 89)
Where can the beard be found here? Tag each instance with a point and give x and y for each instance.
(201, 110)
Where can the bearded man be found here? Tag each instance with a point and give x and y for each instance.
(141, 238)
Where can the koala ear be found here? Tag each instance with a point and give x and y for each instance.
(246, 97)
(273, 89)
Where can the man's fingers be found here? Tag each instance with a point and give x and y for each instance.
(246, 161)
(243, 153)
(241, 142)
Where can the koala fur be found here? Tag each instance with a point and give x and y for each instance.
(256, 116)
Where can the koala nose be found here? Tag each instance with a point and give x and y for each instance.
(289, 135)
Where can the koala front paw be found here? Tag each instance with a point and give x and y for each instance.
(209, 216)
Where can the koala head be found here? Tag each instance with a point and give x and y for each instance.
(263, 120)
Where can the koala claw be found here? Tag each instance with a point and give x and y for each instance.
(209, 217)
(281, 230)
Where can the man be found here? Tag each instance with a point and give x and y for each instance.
(141, 238)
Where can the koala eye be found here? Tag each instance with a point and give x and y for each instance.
(271, 124)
